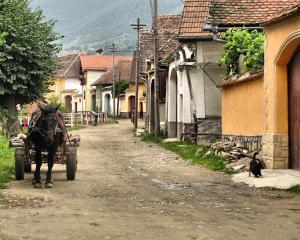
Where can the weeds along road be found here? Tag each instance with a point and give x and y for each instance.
(128, 189)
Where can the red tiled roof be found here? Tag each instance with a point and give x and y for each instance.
(169, 22)
(241, 78)
(168, 29)
(284, 14)
(245, 12)
(226, 12)
(169, 47)
(100, 62)
(195, 14)
(122, 72)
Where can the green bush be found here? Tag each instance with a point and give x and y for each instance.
(295, 189)
(243, 42)
(6, 161)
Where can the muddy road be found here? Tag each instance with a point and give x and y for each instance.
(128, 189)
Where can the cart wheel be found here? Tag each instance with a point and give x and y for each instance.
(19, 164)
(27, 168)
(71, 166)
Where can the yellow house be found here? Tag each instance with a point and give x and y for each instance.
(262, 109)
(127, 101)
(66, 86)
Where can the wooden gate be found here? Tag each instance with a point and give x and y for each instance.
(294, 111)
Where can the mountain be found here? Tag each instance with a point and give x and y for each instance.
(93, 24)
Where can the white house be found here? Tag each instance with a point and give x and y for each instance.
(193, 97)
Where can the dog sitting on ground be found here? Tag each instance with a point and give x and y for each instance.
(256, 165)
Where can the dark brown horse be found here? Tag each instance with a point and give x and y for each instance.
(46, 132)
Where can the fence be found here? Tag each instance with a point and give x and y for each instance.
(84, 118)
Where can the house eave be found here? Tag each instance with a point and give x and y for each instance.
(194, 38)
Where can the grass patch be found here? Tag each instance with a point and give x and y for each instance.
(295, 189)
(75, 128)
(192, 152)
(6, 162)
(112, 121)
(150, 137)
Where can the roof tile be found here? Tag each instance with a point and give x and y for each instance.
(122, 72)
(195, 14)
(168, 29)
(100, 62)
(69, 65)
(245, 12)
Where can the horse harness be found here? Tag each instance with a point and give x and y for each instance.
(34, 128)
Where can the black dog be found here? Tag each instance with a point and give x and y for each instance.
(256, 165)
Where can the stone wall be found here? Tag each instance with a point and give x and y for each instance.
(211, 128)
(252, 143)
(275, 149)
(189, 133)
(208, 130)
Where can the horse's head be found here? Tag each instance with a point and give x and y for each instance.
(48, 123)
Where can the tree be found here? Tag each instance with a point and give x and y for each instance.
(27, 54)
(243, 42)
(122, 86)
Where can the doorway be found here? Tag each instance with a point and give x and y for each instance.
(141, 110)
(107, 107)
(68, 102)
(294, 111)
(131, 106)
(173, 106)
(94, 102)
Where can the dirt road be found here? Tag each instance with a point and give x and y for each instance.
(127, 189)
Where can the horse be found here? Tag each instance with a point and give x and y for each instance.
(46, 132)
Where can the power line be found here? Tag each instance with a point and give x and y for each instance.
(137, 26)
(152, 9)
(156, 68)
(114, 50)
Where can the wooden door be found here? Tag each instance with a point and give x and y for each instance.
(141, 111)
(94, 102)
(131, 106)
(68, 101)
(76, 107)
(294, 111)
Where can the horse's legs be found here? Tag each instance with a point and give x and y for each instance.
(37, 174)
(51, 154)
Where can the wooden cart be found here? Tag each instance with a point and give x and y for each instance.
(25, 155)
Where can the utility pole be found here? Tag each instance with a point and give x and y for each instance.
(114, 50)
(156, 68)
(137, 26)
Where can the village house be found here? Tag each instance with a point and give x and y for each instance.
(260, 109)
(193, 96)
(127, 100)
(168, 30)
(104, 87)
(92, 68)
(66, 84)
